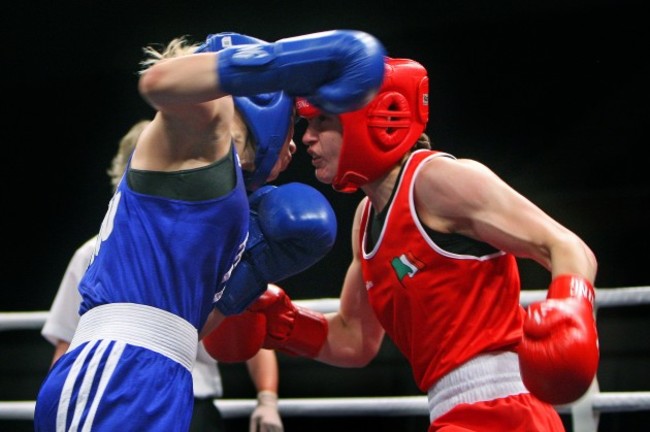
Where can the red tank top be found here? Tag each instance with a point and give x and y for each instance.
(439, 308)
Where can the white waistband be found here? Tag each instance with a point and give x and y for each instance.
(140, 325)
(485, 377)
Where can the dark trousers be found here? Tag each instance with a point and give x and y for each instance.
(206, 417)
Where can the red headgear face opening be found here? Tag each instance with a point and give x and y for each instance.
(377, 136)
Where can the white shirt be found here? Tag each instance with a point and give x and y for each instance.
(63, 318)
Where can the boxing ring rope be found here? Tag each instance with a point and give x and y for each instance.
(584, 412)
(606, 297)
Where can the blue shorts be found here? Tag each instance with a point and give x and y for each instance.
(108, 386)
(128, 368)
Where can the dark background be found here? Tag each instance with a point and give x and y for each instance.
(552, 95)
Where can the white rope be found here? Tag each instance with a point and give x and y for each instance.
(389, 406)
(614, 297)
(378, 406)
(22, 320)
(605, 297)
(622, 401)
(17, 410)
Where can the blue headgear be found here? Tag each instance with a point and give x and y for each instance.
(267, 115)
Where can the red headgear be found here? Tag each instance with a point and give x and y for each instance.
(377, 136)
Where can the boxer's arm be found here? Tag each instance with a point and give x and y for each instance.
(181, 83)
(355, 333)
(338, 71)
(215, 318)
(465, 197)
(559, 351)
(59, 349)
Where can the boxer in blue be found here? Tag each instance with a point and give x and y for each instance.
(178, 223)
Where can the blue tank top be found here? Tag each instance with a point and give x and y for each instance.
(167, 253)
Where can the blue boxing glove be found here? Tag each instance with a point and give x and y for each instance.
(337, 71)
(291, 228)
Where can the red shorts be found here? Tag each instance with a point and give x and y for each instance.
(518, 413)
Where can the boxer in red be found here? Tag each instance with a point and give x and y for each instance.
(435, 243)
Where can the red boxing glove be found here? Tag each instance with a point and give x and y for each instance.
(237, 339)
(290, 328)
(558, 355)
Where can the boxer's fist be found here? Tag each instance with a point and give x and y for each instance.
(290, 328)
(338, 70)
(291, 227)
(237, 339)
(558, 355)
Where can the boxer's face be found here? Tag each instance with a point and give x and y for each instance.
(246, 147)
(243, 143)
(323, 138)
(284, 157)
